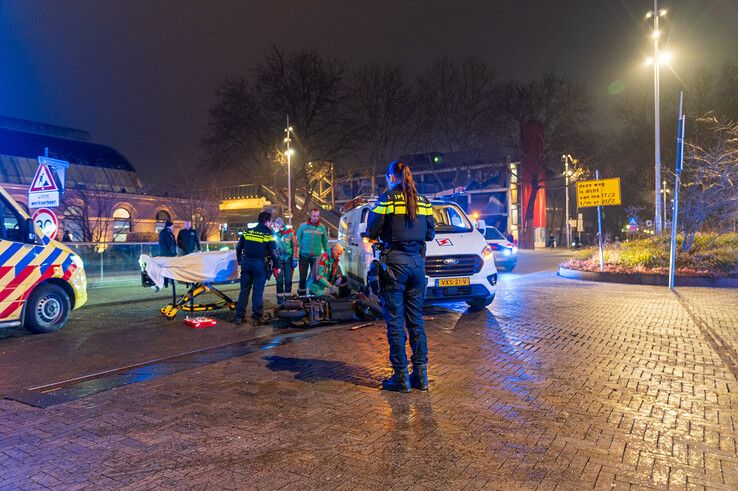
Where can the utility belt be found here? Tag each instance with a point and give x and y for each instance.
(380, 272)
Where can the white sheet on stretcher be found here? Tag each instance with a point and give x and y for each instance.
(199, 267)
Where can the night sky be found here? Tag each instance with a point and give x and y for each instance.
(140, 75)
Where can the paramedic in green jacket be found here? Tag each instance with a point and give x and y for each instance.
(327, 279)
(312, 239)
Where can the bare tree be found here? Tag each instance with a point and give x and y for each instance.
(562, 107)
(710, 179)
(380, 103)
(237, 140)
(90, 211)
(247, 123)
(456, 105)
(310, 89)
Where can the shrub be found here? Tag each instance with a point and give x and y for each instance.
(710, 255)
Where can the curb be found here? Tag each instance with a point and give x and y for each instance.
(647, 279)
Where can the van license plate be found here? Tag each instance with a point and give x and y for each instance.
(453, 282)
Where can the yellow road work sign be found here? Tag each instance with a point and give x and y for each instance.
(602, 192)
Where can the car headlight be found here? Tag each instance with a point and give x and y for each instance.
(487, 253)
(507, 251)
(78, 261)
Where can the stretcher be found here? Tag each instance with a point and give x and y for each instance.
(200, 272)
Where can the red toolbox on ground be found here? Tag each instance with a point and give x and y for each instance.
(199, 322)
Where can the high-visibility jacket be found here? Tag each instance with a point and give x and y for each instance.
(257, 243)
(324, 275)
(286, 243)
(312, 239)
(389, 222)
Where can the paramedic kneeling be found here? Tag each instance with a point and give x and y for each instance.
(256, 250)
(403, 221)
(326, 279)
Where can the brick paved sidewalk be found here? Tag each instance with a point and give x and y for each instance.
(563, 383)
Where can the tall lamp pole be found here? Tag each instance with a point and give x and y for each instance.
(657, 59)
(288, 140)
(565, 158)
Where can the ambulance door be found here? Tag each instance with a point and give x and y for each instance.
(16, 273)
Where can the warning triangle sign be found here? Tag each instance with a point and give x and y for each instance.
(43, 180)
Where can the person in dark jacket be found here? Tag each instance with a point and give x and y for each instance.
(167, 244)
(403, 222)
(187, 239)
(255, 247)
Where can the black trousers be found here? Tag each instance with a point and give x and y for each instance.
(307, 264)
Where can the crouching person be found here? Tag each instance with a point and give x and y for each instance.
(326, 278)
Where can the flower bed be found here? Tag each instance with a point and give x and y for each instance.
(712, 256)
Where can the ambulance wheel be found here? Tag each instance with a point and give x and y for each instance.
(47, 309)
(479, 303)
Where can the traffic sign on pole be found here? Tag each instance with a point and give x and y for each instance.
(600, 192)
(43, 191)
(47, 222)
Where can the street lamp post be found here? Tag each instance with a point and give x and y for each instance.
(658, 58)
(566, 193)
(288, 140)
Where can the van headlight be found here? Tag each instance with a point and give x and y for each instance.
(515, 249)
(78, 261)
(487, 253)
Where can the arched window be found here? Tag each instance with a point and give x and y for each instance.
(73, 221)
(162, 216)
(121, 224)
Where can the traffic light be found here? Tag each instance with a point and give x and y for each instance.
(437, 158)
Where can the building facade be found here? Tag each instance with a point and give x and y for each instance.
(104, 199)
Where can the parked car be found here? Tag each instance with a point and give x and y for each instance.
(459, 265)
(505, 252)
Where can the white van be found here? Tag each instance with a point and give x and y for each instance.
(459, 265)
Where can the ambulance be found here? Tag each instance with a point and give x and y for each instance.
(459, 264)
(41, 280)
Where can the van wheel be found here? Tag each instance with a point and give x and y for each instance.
(479, 303)
(47, 309)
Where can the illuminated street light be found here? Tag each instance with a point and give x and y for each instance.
(289, 152)
(657, 60)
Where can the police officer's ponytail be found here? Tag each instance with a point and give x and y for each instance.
(402, 172)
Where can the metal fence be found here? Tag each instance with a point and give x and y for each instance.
(118, 261)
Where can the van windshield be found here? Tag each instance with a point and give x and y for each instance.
(450, 219)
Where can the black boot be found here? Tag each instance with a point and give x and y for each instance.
(419, 377)
(398, 382)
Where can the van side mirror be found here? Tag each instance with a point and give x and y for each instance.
(481, 226)
(29, 232)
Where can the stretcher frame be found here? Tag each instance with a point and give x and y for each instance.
(186, 302)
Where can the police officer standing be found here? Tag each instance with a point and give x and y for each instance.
(403, 222)
(255, 252)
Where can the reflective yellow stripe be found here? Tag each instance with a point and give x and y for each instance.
(257, 237)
